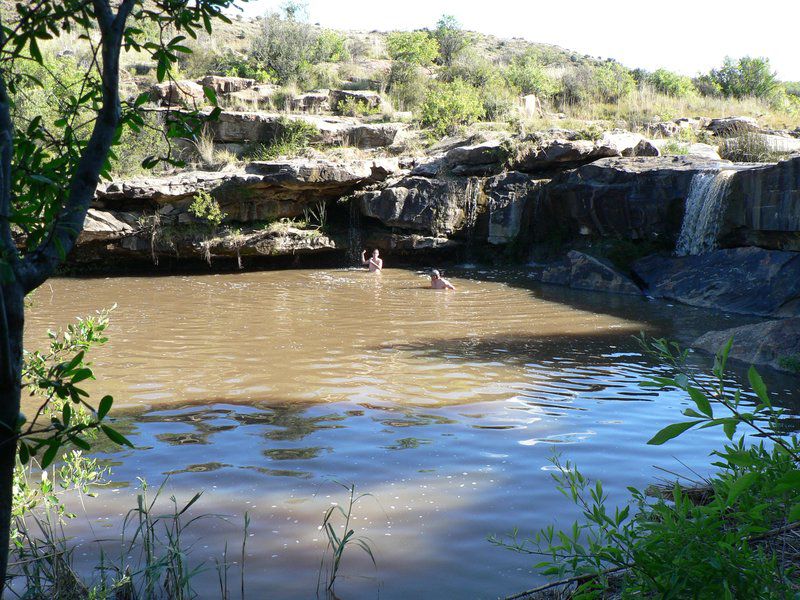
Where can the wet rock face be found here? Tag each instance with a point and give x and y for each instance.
(775, 344)
(750, 281)
(584, 272)
(508, 196)
(631, 198)
(418, 203)
(764, 207)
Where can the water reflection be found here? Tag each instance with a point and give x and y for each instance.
(263, 389)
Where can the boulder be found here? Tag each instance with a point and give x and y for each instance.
(729, 126)
(689, 150)
(311, 102)
(480, 159)
(436, 206)
(775, 344)
(739, 280)
(367, 98)
(102, 225)
(584, 272)
(226, 85)
(755, 146)
(547, 154)
(178, 93)
(626, 143)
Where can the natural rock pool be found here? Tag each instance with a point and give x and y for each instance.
(265, 389)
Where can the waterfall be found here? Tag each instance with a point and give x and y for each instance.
(354, 232)
(472, 193)
(705, 209)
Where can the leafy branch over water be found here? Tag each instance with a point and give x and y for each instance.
(731, 536)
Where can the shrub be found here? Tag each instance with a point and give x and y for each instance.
(284, 47)
(330, 46)
(671, 84)
(206, 208)
(407, 85)
(451, 105)
(607, 83)
(415, 47)
(527, 75)
(451, 38)
(353, 107)
(745, 77)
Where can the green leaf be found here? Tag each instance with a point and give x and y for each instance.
(758, 386)
(699, 398)
(104, 407)
(50, 453)
(115, 436)
(729, 427)
(210, 94)
(671, 431)
(740, 485)
(789, 482)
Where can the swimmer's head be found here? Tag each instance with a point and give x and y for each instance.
(435, 274)
(375, 253)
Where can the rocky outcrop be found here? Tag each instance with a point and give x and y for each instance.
(544, 155)
(508, 196)
(261, 191)
(226, 85)
(688, 150)
(311, 102)
(764, 207)
(178, 93)
(435, 206)
(625, 143)
(729, 126)
(264, 128)
(754, 146)
(102, 225)
(365, 99)
(584, 272)
(484, 158)
(775, 344)
(740, 280)
(632, 198)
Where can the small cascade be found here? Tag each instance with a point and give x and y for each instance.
(705, 209)
(473, 193)
(354, 240)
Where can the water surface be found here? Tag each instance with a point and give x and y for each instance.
(265, 389)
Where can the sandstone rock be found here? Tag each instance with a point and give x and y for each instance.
(417, 203)
(631, 198)
(261, 191)
(508, 196)
(584, 272)
(105, 225)
(479, 159)
(740, 280)
(261, 127)
(728, 126)
(367, 98)
(763, 207)
(770, 343)
(548, 154)
(695, 151)
(756, 144)
(626, 143)
(178, 93)
(311, 102)
(256, 95)
(407, 243)
(226, 85)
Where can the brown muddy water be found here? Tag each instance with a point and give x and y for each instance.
(266, 389)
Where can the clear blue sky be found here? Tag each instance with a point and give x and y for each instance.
(687, 36)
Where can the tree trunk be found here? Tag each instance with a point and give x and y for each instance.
(12, 301)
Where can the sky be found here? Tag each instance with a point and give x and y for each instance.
(681, 35)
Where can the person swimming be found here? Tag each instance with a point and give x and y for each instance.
(440, 283)
(375, 263)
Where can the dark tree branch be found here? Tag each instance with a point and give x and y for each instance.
(43, 261)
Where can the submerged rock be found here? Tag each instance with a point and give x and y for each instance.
(775, 343)
(750, 281)
(584, 272)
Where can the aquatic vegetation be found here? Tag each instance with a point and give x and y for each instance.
(729, 541)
